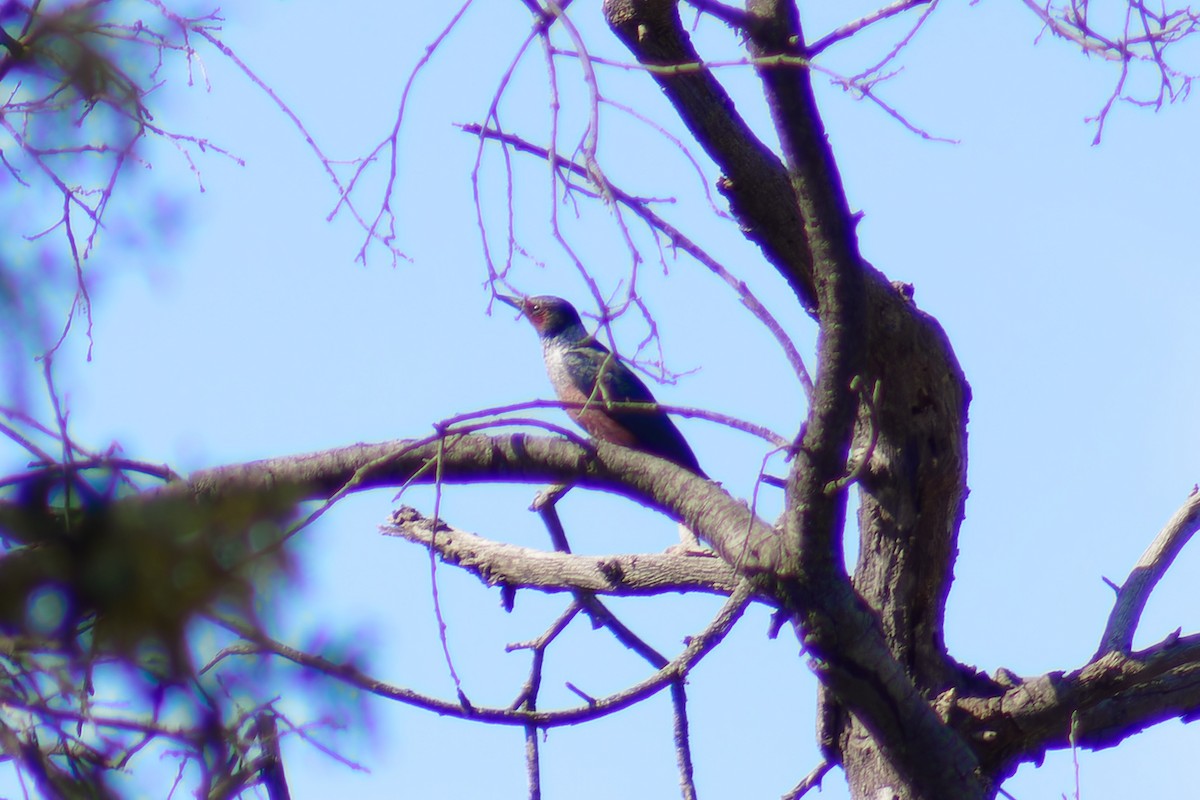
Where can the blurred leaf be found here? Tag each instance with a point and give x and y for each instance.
(138, 569)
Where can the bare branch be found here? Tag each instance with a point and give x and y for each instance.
(851, 28)
(811, 780)
(743, 540)
(683, 740)
(734, 17)
(1143, 38)
(1111, 720)
(452, 424)
(755, 182)
(385, 218)
(698, 646)
(1097, 706)
(1145, 575)
(271, 764)
(902, 43)
(678, 240)
(861, 84)
(533, 765)
(326, 162)
(501, 564)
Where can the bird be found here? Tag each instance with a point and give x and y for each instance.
(582, 370)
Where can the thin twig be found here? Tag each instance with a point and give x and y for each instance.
(683, 740)
(532, 762)
(851, 28)
(433, 581)
(678, 240)
(688, 412)
(698, 646)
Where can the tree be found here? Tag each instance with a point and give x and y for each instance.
(885, 417)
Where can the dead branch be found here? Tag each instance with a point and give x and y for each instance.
(1145, 575)
(515, 567)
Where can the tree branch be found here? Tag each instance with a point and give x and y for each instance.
(869, 329)
(676, 669)
(754, 181)
(1145, 575)
(810, 780)
(514, 567)
(807, 154)
(678, 240)
(1097, 706)
(851, 28)
(752, 546)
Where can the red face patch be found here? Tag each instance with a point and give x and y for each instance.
(536, 313)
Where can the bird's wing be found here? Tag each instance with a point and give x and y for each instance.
(590, 360)
(653, 431)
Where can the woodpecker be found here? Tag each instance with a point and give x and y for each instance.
(584, 371)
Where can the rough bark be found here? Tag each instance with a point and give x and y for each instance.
(957, 744)
(888, 412)
(913, 433)
(515, 567)
(881, 357)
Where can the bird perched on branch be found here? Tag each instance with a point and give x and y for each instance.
(584, 371)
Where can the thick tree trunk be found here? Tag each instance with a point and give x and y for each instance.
(912, 492)
(912, 420)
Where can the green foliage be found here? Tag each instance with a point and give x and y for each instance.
(124, 576)
(102, 588)
(74, 49)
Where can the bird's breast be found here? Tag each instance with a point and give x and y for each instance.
(569, 383)
(574, 381)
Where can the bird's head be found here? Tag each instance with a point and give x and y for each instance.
(551, 316)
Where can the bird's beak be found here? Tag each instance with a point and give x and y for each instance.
(516, 302)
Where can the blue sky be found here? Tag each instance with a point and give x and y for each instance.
(1063, 274)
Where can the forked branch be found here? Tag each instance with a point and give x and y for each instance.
(1145, 575)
